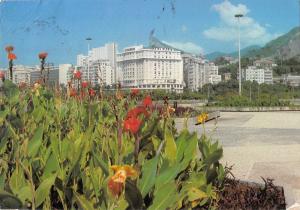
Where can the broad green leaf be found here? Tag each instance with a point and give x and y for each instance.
(132, 195)
(167, 175)
(148, 176)
(35, 143)
(24, 193)
(51, 166)
(196, 194)
(3, 115)
(83, 202)
(170, 147)
(43, 190)
(17, 180)
(99, 162)
(164, 196)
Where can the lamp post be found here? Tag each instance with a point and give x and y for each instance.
(88, 58)
(238, 16)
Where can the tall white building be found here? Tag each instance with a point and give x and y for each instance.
(150, 68)
(64, 73)
(198, 72)
(260, 75)
(106, 53)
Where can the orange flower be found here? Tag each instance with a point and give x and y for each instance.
(135, 91)
(11, 56)
(92, 92)
(84, 84)
(43, 55)
(73, 92)
(77, 74)
(147, 101)
(117, 181)
(135, 112)
(9, 48)
(132, 125)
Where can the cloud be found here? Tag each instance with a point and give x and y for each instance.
(251, 31)
(186, 46)
(184, 28)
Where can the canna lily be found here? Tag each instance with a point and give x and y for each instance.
(73, 92)
(135, 112)
(84, 84)
(77, 75)
(202, 117)
(134, 91)
(43, 55)
(9, 48)
(36, 88)
(11, 56)
(147, 101)
(117, 181)
(132, 125)
(92, 92)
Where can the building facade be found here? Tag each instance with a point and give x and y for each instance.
(65, 70)
(198, 72)
(150, 68)
(260, 75)
(101, 56)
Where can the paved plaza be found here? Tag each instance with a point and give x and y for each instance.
(259, 144)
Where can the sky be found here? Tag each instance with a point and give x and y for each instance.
(60, 27)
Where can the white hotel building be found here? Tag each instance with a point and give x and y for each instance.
(150, 68)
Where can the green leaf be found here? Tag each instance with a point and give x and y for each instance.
(51, 166)
(43, 190)
(148, 176)
(132, 195)
(24, 193)
(35, 143)
(196, 194)
(164, 196)
(83, 202)
(3, 115)
(17, 180)
(99, 162)
(170, 148)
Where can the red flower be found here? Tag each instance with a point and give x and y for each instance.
(84, 84)
(132, 124)
(135, 112)
(147, 101)
(9, 48)
(135, 91)
(11, 56)
(92, 92)
(43, 55)
(73, 92)
(77, 75)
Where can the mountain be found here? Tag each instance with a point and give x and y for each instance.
(245, 51)
(286, 46)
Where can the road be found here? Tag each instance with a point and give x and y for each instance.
(259, 144)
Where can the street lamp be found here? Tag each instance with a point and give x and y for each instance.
(88, 57)
(238, 16)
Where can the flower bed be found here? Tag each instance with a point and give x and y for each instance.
(90, 151)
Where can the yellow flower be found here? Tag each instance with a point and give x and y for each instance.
(36, 88)
(202, 117)
(117, 181)
(171, 109)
